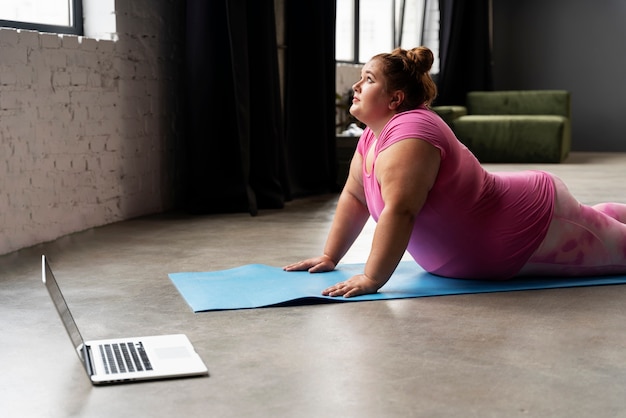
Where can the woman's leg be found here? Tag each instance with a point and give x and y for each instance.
(614, 210)
(581, 240)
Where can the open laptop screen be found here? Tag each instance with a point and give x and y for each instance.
(60, 305)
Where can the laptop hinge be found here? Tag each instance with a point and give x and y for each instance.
(86, 357)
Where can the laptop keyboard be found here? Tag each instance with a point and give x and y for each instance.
(124, 357)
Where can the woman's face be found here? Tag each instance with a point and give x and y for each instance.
(371, 100)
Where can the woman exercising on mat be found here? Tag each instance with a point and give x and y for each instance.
(431, 197)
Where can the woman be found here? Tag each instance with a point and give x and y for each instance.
(430, 196)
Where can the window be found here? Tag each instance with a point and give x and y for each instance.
(367, 27)
(58, 16)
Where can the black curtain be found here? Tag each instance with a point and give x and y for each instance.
(243, 155)
(310, 95)
(464, 49)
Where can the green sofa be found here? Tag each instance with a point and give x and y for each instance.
(525, 126)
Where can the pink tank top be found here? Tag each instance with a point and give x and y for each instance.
(474, 224)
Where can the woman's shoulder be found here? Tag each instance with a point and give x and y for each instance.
(421, 123)
(421, 111)
(413, 121)
(421, 115)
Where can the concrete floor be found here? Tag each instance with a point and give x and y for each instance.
(546, 353)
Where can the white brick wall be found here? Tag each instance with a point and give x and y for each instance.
(88, 132)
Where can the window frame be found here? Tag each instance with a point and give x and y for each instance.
(76, 28)
(357, 24)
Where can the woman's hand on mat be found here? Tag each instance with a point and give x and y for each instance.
(313, 265)
(354, 286)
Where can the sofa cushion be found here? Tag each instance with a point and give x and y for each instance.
(515, 138)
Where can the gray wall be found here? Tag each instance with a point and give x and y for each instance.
(577, 45)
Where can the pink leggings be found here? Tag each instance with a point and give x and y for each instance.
(581, 240)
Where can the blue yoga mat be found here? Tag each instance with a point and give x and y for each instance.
(258, 285)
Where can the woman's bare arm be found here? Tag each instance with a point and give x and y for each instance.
(406, 172)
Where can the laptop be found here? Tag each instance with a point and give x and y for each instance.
(123, 360)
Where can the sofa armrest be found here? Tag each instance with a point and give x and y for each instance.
(450, 113)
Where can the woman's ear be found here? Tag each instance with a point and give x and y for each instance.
(396, 99)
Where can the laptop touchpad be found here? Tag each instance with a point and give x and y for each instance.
(167, 353)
